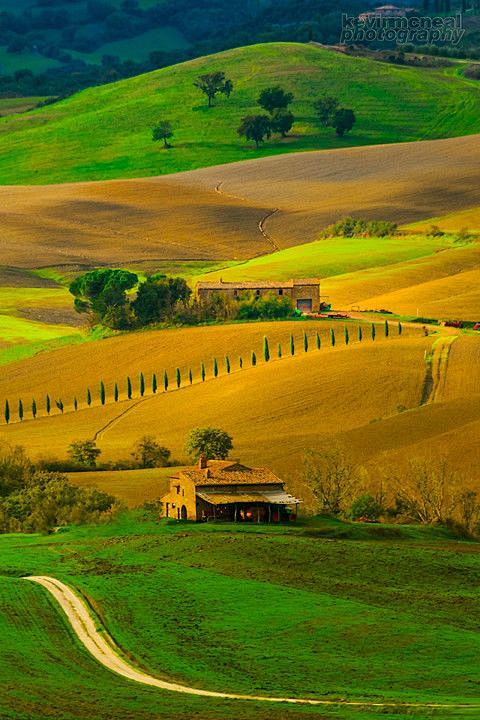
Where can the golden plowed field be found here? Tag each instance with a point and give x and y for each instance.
(214, 213)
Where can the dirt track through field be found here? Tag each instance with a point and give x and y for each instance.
(102, 647)
(216, 213)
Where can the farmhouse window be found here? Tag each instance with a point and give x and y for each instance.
(280, 292)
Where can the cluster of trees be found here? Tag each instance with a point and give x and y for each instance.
(84, 455)
(103, 295)
(428, 491)
(354, 227)
(34, 500)
(182, 378)
(278, 118)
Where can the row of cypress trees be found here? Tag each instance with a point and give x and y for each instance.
(178, 375)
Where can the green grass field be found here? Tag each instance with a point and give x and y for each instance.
(105, 132)
(334, 256)
(321, 610)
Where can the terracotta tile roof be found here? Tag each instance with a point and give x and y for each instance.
(226, 472)
(256, 285)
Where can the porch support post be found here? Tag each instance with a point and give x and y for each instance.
(235, 514)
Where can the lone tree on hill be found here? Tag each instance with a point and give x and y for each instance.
(162, 132)
(326, 107)
(274, 98)
(213, 443)
(344, 121)
(150, 454)
(255, 127)
(282, 121)
(213, 83)
(84, 452)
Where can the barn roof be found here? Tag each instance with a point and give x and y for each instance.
(226, 472)
(257, 284)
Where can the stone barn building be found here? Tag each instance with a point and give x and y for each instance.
(227, 490)
(305, 294)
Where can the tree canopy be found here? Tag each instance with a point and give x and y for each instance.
(214, 443)
(255, 127)
(213, 83)
(103, 292)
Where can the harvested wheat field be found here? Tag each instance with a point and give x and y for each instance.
(274, 410)
(68, 372)
(215, 213)
(453, 297)
(375, 398)
(133, 487)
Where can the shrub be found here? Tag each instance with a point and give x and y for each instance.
(365, 507)
(350, 227)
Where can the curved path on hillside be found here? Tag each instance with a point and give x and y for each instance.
(216, 213)
(103, 649)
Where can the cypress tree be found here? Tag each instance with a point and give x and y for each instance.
(279, 350)
(360, 333)
(332, 337)
(165, 381)
(48, 404)
(115, 392)
(142, 384)
(7, 412)
(60, 405)
(240, 362)
(102, 392)
(179, 377)
(89, 397)
(319, 342)
(190, 376)
(292, 345)
(347, 336)
(227, 364)
(254, 359)
(400, 329)
(75, 404)
(373, 331)
(202, 371)
(20, 410)
(305, 342)
(387, 329)
(266, 349)
(215, 367)
(154, 384)
(34, 408)
(129, 388)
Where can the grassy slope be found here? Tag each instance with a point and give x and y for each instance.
(106, 132)
(453, 222)
(237, 610)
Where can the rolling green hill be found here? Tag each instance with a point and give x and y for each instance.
(326, 609)
(106, 132)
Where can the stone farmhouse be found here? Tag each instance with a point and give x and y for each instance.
(305, 293)
(227, 490)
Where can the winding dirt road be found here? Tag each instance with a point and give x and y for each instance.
(102, 647)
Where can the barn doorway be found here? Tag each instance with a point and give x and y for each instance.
(304, 306)
(183, 513)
